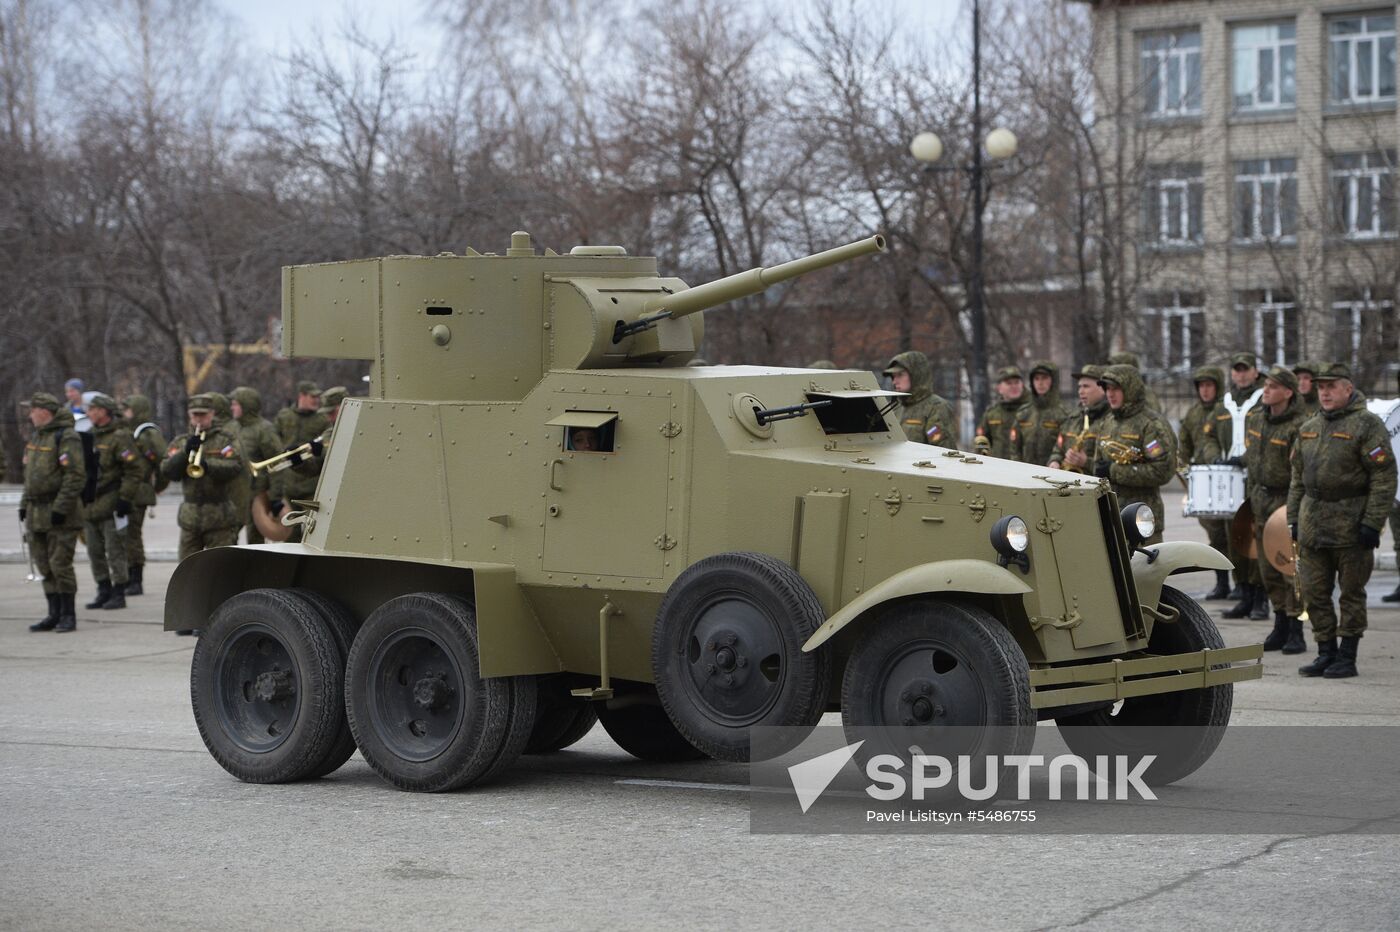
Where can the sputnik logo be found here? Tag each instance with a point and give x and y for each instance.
(811, 777)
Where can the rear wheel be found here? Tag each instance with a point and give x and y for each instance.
(341, 625)
(561, 719)
(641, 728)
(420, 712)
(266, 685)
(1182, 729)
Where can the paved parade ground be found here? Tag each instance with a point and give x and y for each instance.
(114, 816)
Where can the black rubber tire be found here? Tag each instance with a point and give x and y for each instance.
(560, 719)
(342, 626)
(480, 725)
(642, 729)
(949, 668)
(248, 638)
(727, 653)
(1182, 729)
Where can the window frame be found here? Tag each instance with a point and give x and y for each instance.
(1366, 300)
(1181, 315)
(1282, 305)
(1375, 168)
(1285, 202)
(1278, 45)
(1188, 182)
(1189, 104)
(1352, 41)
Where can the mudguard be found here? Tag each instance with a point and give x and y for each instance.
(973, 576)
(1178, 556)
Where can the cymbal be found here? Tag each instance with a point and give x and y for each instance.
(1242, 531)
(1278, 541)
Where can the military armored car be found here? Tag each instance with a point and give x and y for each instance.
(542, 517)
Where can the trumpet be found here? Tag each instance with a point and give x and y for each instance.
(1078, 445)
(287, 458)
(195, 467)
(1121, 453)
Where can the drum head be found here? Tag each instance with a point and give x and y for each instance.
(1278, 541)
(1242, 532)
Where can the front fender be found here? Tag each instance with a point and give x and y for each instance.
(974, 576)
(1178, 556)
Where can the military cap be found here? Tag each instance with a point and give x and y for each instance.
(1283, 376)
(1044, 366)
(1331, 371)
(204, 401)
(1307, 366)
(1125, 359)
(1008, 372)
(331, 398)
(308, 387)
(1115, 374)
(1088, 371)
(44, 400)
(106, 402)
(1247, 360)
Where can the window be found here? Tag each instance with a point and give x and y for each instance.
(1175, 331)
(1172, 206)
(1272, 317)
(1362, 53)
(1363, 194)
(1266, 200)
(1366, 330)
(1171, 73)
(1265, 66)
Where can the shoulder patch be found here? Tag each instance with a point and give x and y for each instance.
(1377, 455)
(934, 433)
(1154, 449)
(63, 459)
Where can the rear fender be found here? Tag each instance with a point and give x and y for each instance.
(511, 638)
(965, 576)
(1178, 556)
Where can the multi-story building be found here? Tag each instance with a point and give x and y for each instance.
(1256, 152)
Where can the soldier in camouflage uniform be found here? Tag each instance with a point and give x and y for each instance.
(925, 416)
(207, 517)
(1039, 421)
(1136, 448)
(1271, 433)
(1246, 387)
(996, 431)
(1149, 397)
(296, 426)
(1076, 449)
(118, 480)
(1198, 445)
(1307, 392)
(310, 464)
(257, 440)
(1343, 484)
(150, 444)
(50, 508)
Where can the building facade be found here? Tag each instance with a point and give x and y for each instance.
(1256, 144)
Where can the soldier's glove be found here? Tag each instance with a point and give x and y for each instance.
(192, 443)
(276, 507)
(123, 508)
(317, 447)
(1102, 469)
(57, 517)
(1293, 531)
(1369, 537)
(22, 513)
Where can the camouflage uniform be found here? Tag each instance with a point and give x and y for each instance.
(1040, 420)
(1343, 484)
(1199, 445)
(1307, 402)
(925, 416)
(1269, 443)
(207, 517)
(296, 427)
(1136, 449)
(330, 406)
(257, 440)
(996, 430)
(118, 481)
(150, 443)
(51, 510)
(1082, 430)
(1149, 397)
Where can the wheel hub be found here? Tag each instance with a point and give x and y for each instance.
(919, 705)
(431, 692)
(274, 685)
(734, 661)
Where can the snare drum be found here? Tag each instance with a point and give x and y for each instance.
(1214, 491)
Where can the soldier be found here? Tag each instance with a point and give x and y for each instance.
(106, 518)
(1039, 421)
(823, 364)
(996, 431)
(1343, 484)
(1149, 397)
(1198, 445)
(925, 416)
(1246, 389)
(1076, 449)
(1271, 432)
(1307, 392)
(49, 506)
(1136, 448)
(295, 427)
(150, 444)
(207, 517)
(257, 440)
(311, 464)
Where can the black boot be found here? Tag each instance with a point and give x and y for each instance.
(1222, 586)
(1279, 635)
(104, 592)
(1295, 643)
(1260, 612)
(1237, 592)
(1244, 606)
(67, 614)
(133, 584)
(48, 621)
(1345, 664)
(1393, 597)
(118, 598)
(1326, 654)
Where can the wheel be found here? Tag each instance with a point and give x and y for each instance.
(342, 626)
(266, 685)
(1200, 715)
(641, 728)
(560, 719)
(727, 652)
(420, 712)
(937, 677)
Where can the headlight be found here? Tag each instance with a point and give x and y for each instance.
(1138, 523)
(1010, 536)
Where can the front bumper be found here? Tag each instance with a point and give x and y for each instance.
(1144, 675)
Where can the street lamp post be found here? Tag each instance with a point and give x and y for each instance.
(999, 144)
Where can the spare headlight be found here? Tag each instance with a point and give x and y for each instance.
(1138, 523)
(1010, 536)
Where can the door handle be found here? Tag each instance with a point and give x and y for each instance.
(553, 484)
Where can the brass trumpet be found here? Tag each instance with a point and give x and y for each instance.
(284, 460)
(1120, 453)
(1078, 445)
(195, 467)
